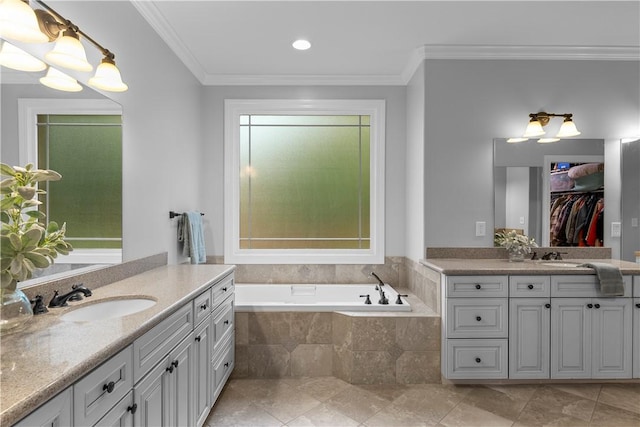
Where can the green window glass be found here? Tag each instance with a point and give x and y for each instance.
(304, 181)
(87, 151)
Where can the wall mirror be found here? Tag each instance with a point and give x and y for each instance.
(528, 179)
(31, 111)
(630, 159)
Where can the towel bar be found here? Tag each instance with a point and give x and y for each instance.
(173, 214)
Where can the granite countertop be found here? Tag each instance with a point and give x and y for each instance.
(459, 266)
(51, 354)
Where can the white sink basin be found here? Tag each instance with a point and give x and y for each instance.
(108, 309)
(561, 264)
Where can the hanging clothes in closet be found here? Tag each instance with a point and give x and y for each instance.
(576, 219)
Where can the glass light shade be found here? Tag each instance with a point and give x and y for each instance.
(301, 44)
(514, 140)
(58, 80)
(18, 22)
(534, 128)
(108, 77)
(69, 53)
(15, 58)
(548, 140)
(567, 129)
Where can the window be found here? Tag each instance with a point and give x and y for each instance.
(82, 140)
(304, 181)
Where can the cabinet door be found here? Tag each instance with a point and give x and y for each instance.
(181, 381)
(121, 415)
(56, 412)
(612, 337)
(529, 335)
(202, 379)
(636, 333)
(151, 395)
(570, 338)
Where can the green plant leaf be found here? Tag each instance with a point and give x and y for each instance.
(31, 238)
(6, 170)
(7, 203)
(36, 214)
(52, 227)
(37, 259)
(27, 193)
(15, 241)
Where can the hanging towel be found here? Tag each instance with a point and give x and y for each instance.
(610, 277)
(191, 234)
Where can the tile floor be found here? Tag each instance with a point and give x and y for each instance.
(328, 401)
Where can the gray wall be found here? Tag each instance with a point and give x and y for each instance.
(468, 103)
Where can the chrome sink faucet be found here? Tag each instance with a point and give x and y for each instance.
(379, 286)
(61, 300)
(553, 255)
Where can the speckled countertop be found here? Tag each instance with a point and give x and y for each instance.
(459, 266)
(50, 354)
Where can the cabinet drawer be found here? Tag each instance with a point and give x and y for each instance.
(101, 389)
(477, 318)
(223, 324)
(636, 286)
(121, 414)
(221, 366)
(477, 286)
(221, 290)
(202, 305)
(153, 346)
(582, 286)
(529, 286)
(470, 359)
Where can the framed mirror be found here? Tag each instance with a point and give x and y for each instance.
(75, 134)
(522, 182)
(630, 164)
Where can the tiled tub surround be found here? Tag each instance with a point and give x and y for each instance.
(51, 354)
(360, 348)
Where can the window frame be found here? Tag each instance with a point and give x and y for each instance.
(233, 109)
(28, 111)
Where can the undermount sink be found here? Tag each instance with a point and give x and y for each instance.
(108, 309)
(561, 264)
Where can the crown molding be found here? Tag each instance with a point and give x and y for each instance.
(301, 80)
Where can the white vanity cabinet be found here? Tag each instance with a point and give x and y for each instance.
(57, 411)
(529, 326)
(476, 327)
(636, 327)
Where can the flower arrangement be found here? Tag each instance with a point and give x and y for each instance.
(517, 245)
(25, 242)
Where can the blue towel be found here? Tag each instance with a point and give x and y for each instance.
(191, 234)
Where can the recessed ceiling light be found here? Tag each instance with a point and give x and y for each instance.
(301, 44)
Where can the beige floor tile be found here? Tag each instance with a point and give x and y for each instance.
(287, 404)
(467, 415)
(506, 401)
(357, 403)
(323, 388)
(624, 396)
(388, 392)
(608, 416)
(431, 402)
(553, 407)
(322, 416)
(250, 416)
(588, 391)
(397, 417)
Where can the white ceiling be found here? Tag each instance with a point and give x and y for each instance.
(381, 42)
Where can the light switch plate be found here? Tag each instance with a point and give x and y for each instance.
(616, 229)
(481, 228)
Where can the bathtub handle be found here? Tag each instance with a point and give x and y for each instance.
(399, 300)
(367, 299)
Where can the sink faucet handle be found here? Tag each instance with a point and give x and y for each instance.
(38, 305)
(534, 256)
(78, 296)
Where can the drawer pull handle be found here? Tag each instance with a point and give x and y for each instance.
(478, 286)
(198, 338)
(530, 286)
(203, 306)
(478, 318)
(224, 289)
(597, 306)
(109, 387)
(589, 305)
(175, 363)
(226, 322)
(133, 408)
(478, 360)
(226, 365)
(169, 369)
(547, 305)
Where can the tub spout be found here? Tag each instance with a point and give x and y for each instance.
(379, 286)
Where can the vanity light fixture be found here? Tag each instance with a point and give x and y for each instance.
(538, 120)
(17, 59)
(56, 79)
(18, 21)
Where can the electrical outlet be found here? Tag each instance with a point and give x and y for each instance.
(481, 228)
(616, 229)
(634, 222)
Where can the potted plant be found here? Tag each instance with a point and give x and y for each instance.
(517, 245)
(25, 242)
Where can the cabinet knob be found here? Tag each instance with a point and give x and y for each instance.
(175, 363)
(109, 387)
(597, 306)
(638, 305)
(198, 338)
(226, 365)
(589, 305)
(169, 369)
(224, 289)
(547, 305)
(478, 360)
(203, 306)
(478, 286)
(226, 322)
(478, 318)
(133, 408)
(530, 286)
